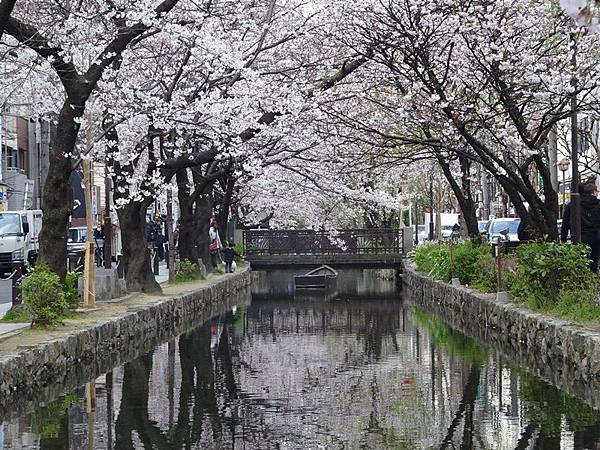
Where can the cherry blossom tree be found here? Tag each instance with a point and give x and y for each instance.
(483, 81)
(68, 37)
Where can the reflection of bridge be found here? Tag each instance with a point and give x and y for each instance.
(369, 248)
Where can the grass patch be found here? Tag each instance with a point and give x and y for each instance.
(188, 271)
(572, 306)
(18, 315)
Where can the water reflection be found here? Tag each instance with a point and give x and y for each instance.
(343, 374)
(371, 283)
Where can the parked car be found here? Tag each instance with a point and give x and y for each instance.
(497, 226)
(19, 239)
(76, 240)
(483, 226)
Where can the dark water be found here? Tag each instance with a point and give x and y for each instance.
(360, 373)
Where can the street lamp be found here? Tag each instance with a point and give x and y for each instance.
(563, 166)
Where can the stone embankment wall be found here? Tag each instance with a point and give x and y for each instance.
(42, 373)
(558, 351)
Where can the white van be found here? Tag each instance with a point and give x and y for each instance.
(19, 238)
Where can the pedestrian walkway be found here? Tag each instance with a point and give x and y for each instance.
(10, 329)
(7, 330)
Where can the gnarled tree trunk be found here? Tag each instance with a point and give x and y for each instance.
(136, 255)
(188, 232)
(463, 194)
(56, 196)
(203, 213)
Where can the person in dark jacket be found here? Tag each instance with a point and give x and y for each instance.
(229, 254)
(159, 245)
(590, 223)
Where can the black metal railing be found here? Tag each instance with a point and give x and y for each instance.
(310, 242)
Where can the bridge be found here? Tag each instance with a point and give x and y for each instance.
(364, 248)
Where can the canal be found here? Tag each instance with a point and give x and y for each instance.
(363, 369)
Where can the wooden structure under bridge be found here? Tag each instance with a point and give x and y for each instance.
(359, 248)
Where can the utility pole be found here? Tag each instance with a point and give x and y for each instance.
(171, 236)
(431, 231)
(416, 222)
(107, 220)
(89, 275)
(553, 158)
(575, 197)
(170, 230)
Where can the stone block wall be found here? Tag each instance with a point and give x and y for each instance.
(562, 353)
(33, 376)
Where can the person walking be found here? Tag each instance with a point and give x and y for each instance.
(159, 244)
(215, 243)
(590, 223)
(229, 255)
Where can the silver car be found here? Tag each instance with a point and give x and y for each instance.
(508, 227)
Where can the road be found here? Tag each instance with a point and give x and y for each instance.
(5, 296)
(5, 291)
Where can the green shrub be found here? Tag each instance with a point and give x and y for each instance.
(548, 273)
(239, 249)
(188, 271)
(485, 279)
(470, 259)
(44, 297)
(433, 259)
(72, 288)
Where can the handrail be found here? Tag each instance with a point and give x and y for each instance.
(375, 241)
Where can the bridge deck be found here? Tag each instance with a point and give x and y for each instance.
(335, 261)
(372, 248)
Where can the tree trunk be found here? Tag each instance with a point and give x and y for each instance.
(203, 213)
(188, 232)
(463, 194)
(56, 196)
(226, 204)
(6, 8)
(136, 255)
(188, 244)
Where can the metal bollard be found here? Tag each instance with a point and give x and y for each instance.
(17, 295)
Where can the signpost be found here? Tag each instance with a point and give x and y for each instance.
(89, 275)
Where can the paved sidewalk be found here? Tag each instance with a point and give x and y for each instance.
(10, 329)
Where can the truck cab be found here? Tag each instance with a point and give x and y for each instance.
(19, 238)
